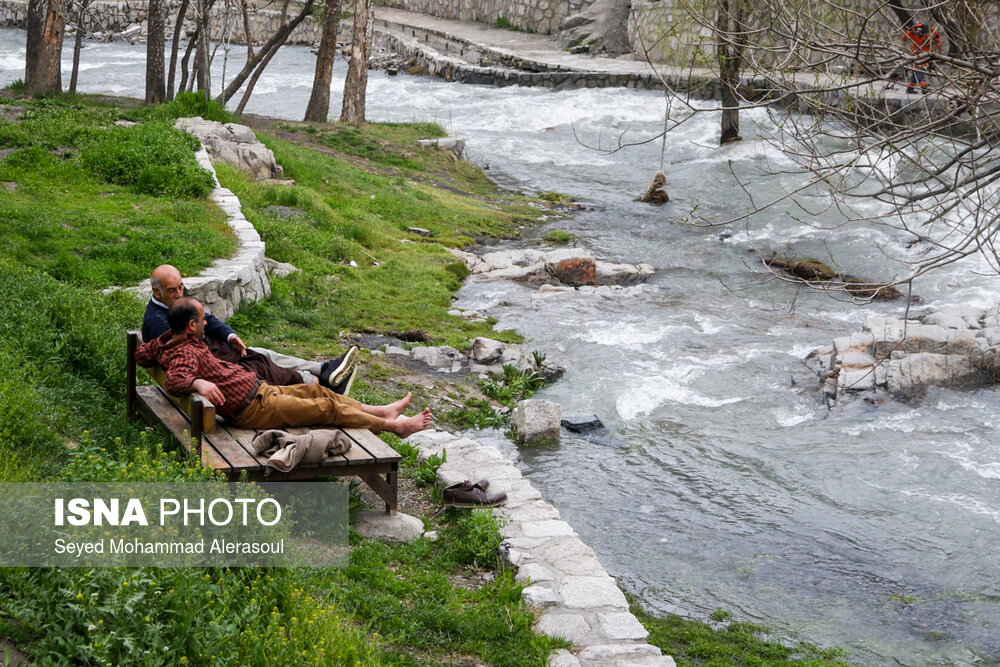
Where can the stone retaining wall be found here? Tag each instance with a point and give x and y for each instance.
(540, 16)
(668, 34)
(227, 283)
(574, 595)
(114, 17)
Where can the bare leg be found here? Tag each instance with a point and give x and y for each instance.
(390, 411)
(404, 427)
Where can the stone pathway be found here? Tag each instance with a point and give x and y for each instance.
(483, 54)
(575, 596)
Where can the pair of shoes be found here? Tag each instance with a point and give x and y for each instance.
(338, 374)
(467, 494)
(911, 90)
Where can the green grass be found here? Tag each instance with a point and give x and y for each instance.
(355, 206)
(67, 234)
(559, 237)
(727, 643)
(70, 207)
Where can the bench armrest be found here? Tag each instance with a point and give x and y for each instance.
(186, 402)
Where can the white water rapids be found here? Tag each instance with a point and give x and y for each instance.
(722, 482)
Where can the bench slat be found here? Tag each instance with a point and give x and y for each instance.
(157, 408)
(184, 402)
(373, 444)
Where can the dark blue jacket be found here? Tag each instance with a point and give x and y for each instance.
(154, 324)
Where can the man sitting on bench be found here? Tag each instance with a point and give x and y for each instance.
(271, 367)
(247, 402)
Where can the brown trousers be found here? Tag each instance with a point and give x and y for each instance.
(304, 405)
(256, 363)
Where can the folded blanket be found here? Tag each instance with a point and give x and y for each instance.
(286, 450)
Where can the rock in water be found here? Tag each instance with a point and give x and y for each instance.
(656, 192)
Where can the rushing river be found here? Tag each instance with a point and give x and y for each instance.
(722, 481)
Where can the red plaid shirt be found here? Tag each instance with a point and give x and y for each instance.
(191, 360)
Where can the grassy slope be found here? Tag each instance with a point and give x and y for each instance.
(62, 418)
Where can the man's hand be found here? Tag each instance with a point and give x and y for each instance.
(238, 345)
(209, 390)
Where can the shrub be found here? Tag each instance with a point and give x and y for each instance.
(194, 104)
(12, 136)
(150, 159)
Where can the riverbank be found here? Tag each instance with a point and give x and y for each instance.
(284, 322)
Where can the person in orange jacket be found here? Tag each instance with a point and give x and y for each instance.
(919, 37)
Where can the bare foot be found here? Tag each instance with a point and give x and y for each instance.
(404, 427)
(392, 410)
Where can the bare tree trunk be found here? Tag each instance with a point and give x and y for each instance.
(202, 63)
(356, 85)
(246, 28)
(277, 39)
(156, 90)
(43, 53)
(78, 45)
(253, 79)
(175, 46)
(319, 102)
(730, 32)
(184, 62)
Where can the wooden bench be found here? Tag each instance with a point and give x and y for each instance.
(191, 419)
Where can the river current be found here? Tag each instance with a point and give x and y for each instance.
(722, 481)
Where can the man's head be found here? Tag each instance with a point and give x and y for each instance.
(187, 317)
(166, 284)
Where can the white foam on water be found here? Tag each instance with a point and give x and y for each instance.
(787, 417)
(646, 394)
(631, 335)
(973, 505)
(989, 470)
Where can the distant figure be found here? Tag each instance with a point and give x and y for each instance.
(920, 38)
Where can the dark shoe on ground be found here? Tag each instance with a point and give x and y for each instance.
(467, 494)
(339, 373)
(911, 90)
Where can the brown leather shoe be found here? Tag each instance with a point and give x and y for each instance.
(467, 494)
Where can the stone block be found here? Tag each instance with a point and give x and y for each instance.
(856, 379)
(563, 658)
(910, 375)
(535, 573)
(540, 596)
(621, 625)
(486, 350)
(591, 593)
(609, 654)
(395, 527)
(569, 626)
(537, 419)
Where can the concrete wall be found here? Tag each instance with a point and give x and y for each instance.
(540, 16)
(113, 17)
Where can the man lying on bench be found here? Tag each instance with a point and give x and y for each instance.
(247, 402)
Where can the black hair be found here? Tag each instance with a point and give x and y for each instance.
(182, 312)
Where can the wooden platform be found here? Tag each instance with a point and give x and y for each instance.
(192, 421)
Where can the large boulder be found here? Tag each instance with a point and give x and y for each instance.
(234, 144)
(910, 375)
(486, 350)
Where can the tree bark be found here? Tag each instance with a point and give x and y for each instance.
(244, 9)
(78, 45)
(201, 59)
(175, 46)
(319, 102)
(731, 35)
(43, 52)
(253, 79)
(184, 62)
(355, 87)
(277, 39)
(156, 88)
